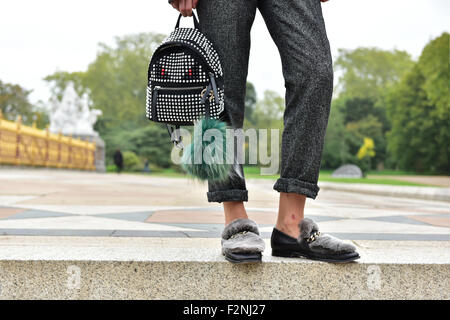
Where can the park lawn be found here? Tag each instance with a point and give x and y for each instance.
(374, 177)
(371, 179)
(170, 173)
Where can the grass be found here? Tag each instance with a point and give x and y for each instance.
(372, 179)
(171, 173)
(375, 177)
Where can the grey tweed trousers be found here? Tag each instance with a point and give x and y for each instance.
(298, 30)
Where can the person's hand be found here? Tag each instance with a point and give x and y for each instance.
(184, 6)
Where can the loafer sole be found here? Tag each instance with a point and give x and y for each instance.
(345, 258)
(243, 257)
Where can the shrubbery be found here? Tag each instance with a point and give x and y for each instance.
(150, 141)
(131, 161)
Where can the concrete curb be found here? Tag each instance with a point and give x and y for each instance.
(426, 193)
(220, 280)
(74, 268)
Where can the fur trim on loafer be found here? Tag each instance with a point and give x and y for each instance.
(242, 236)
(324, 243)
(239, 225)
(244, 242)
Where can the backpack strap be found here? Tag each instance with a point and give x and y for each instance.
(208, 94)
(212, 80)
(196, 24)
(175, 136)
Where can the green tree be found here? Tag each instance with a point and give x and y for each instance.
(250, 101)
(344, 139)
(14, 102)
(419, 111)
(59, 80)
(434, 65)
(117, 79)
(148, 141)
(131, 161)
(357, 109)
(369, 127)
(365, 76)
(368, 72)
(336, 149)
(268, 112)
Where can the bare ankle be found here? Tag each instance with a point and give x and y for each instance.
(290, 213)
(234, 210)
(289, 227)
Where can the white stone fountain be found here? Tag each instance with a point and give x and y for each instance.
(72, 116)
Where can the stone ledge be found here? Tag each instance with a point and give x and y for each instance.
(426, 193)
(153, 268)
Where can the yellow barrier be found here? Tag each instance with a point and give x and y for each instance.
(24, 145)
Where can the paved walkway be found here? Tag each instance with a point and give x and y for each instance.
(64, 203)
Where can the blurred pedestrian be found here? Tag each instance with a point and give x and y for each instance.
(118, 160)
(146, 166)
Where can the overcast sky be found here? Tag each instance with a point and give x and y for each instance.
(38, 37)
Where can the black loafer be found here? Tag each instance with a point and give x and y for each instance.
(311, 244)
(241, 242)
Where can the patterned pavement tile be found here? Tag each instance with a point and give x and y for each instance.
(372, 226)
(31, 214)
(9, 212)
(209, 234)
(53, 202)
(397, 219)
(438, 221)
(129, 216)
(14, 199)
(83, 209)
(187, 216)
(205, 215)
(214, 228)
(84, 223)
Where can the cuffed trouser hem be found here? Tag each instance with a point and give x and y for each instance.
(228, 195)
(288, 185)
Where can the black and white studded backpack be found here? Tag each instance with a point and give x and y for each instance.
(185, 80)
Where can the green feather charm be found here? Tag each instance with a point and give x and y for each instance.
(205, 158)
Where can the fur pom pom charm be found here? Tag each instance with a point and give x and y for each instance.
(205, 158)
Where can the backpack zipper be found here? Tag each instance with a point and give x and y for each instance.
(181, 44)
(178, 88)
